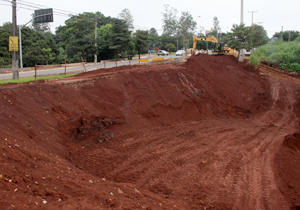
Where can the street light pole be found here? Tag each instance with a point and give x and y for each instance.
(20, 38)
(20, 42)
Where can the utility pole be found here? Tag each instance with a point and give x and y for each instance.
(186, 36)
(14, 33)
(95, 56)
(241, 53)
(242, 11)
(252, 16)
(281, 33)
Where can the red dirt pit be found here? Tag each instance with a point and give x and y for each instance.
(206, 134)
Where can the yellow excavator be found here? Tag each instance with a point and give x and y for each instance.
(219, 48)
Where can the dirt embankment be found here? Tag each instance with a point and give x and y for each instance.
(207, 134)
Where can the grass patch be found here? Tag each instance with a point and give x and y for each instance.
(285, 55)
(30, 79)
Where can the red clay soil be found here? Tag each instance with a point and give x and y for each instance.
(206, 134)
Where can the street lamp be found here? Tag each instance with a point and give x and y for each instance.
(20, 42)
(20, 38)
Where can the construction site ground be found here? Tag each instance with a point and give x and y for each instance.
(209, 133)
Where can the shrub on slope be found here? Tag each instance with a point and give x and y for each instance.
(286, 55)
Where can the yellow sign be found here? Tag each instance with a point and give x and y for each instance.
(13, 43)
(143, 60)
(158, 59)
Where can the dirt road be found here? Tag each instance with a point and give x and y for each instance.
(206, 134)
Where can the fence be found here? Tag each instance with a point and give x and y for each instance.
(62, 68)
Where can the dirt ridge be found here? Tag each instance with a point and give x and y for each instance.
(209, 133)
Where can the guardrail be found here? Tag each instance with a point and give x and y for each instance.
(104, 63)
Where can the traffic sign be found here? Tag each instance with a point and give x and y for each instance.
(13, 43)
(43, 15)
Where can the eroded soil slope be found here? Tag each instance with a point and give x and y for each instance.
(206, 134)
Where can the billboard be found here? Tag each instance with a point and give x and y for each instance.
(43, 15)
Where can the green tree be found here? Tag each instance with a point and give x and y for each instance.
(153, 31)
(216, 23)
(240, 37)
(40, 27)
(171, 47)
(77, 37)
(120, 38)
(131, 48)
(5, 55)
(186, 26)
(259, 36)
(141, 39)
(85, 45)
(48, 55)
(213, 33)
(287, 35)
(127, 17)
(32, 44)
(154, 39)
(104, 35)
(216, 28)
(62, 55)
(170, 22)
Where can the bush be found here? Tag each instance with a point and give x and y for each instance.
(286, 55)
(295, 67)
(171, 47)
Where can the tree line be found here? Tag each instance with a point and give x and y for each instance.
(116, 38)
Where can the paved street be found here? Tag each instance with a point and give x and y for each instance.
(89, 67)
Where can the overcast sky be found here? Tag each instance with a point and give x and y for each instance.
(147, 14)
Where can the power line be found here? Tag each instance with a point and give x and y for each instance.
(6, 5)
(27, 5)
(40, 6)
(63, 15)
(35, 7)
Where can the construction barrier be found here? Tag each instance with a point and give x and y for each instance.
(158, 59)
(143, 60)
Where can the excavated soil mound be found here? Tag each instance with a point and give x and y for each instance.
(206, 134)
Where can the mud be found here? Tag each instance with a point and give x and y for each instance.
(206, 134)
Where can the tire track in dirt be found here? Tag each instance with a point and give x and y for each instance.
(210, 155)
(224, 161)
(200, 135)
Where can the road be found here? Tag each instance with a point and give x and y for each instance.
(89, 67)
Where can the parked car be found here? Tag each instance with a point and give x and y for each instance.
(180, 52)
(162, 52)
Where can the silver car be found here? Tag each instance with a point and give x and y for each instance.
(162, 52)
(180, 52)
